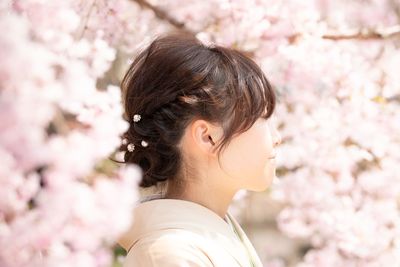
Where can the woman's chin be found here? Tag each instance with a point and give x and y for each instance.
(263, 184)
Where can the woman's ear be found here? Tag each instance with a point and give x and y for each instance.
(212, 142)
(205, 135)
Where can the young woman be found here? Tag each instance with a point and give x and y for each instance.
(200, 130)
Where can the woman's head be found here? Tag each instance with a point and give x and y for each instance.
(178, 81)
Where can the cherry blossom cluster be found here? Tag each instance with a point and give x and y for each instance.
(334, 65)
(61, 203)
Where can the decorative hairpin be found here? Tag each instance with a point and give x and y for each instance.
(136, 117)
(131, 146)
(144, 143)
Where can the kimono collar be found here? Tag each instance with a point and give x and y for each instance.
(157, 213)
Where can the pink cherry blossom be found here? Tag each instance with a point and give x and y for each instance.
(334, 65)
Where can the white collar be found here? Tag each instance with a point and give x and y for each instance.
(156, 213)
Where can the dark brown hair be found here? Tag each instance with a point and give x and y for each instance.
(177, 79)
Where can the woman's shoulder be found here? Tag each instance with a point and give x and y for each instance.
(178, 235)
(174, 230)
(173, 247)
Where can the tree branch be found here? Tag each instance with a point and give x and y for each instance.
(366, 34)
(85, 20)
(163, 15)
(363, 34)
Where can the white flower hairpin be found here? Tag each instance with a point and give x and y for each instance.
(144, 143)
(131, 146)
(136, 117)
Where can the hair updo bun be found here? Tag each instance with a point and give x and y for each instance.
(177, 79)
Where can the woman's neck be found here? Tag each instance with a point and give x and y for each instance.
(208, 196)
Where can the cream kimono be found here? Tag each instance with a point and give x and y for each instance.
(180, 233)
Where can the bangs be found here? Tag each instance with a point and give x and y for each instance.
(251, 95)
(259, 97)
